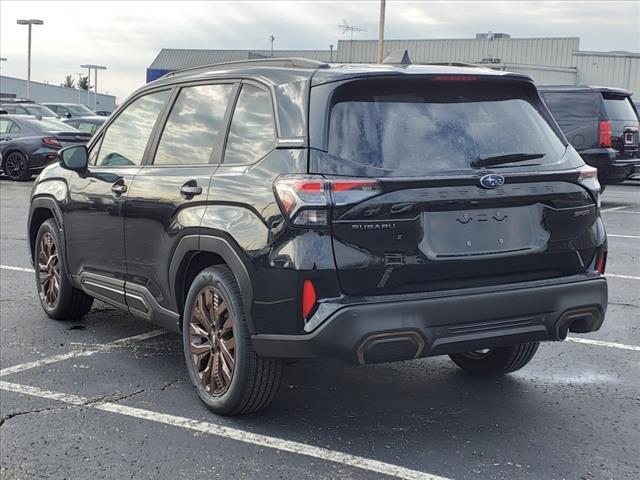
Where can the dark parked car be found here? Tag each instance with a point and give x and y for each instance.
(290, 209)
(27, 144)
(70, 110)
(30, 108)
(86, 124)
(602, 124)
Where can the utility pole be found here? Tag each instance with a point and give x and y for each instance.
(381, 32)
(29, 23)
(272, 39)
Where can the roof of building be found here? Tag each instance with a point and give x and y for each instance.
(177, 58)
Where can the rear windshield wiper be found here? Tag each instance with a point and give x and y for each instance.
(489, 160)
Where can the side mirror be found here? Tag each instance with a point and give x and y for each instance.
(74, 158)
(68, 115)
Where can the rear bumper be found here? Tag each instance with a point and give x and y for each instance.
(620, 170)
(450, 322)
(616, 168)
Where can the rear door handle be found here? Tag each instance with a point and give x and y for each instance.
(190, 189)
(119, 189)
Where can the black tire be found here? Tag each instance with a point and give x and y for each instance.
(254, 380)
(496, 361)
(70, 303)
(16, 167)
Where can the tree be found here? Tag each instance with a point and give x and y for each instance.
(83, 83)
(69, 82)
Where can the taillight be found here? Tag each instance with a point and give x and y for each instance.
(309, 298)
(353, 190)
(605, 133)
(306, 199)
(601, 264)
(51, 141)
(588, 177)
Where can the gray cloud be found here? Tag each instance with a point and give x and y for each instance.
(126, 36)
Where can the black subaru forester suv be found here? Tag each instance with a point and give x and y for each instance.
(286, 208)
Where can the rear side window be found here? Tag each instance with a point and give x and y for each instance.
(574, 105)
(7, 126)
(87, 127)
(413, 127)
(253, 131)
(193, 129)
(125, 140)
(619, 108)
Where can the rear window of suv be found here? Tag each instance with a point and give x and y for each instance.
(414, 127)
(619, 108)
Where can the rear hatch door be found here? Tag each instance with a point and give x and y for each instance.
(434, 221)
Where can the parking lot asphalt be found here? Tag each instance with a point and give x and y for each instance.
(77, 402)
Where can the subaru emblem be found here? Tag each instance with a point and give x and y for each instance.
(492, 181)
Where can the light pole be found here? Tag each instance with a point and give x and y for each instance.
(30, 22)
(79, 78)
(271, 39)
(95, 82)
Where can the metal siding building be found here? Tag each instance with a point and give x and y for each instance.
(11, 87)
(614, 69)
(549, 61)
(541, 74)
(170, 59)
(534, 51)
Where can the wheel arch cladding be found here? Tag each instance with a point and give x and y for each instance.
(195, 253)
(41, 209)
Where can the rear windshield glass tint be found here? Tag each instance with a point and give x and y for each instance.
(619, 108)
(414, 127)
(573, 105)
(46, 125)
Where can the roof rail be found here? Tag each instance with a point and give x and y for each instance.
(289, 62)
(455, 64)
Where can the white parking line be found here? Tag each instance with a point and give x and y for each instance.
(17, 269)
(614, 209)
(229, 433)
(628, 277)
(616, 235)
(600, 343)
(79, 353)
(45, 361)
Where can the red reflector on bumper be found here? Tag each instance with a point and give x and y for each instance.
(309, 298)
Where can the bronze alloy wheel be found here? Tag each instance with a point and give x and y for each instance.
(211, 341)
(49, 270)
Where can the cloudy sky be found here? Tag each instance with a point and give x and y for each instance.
(126, 36)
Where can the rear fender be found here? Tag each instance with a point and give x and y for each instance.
(48, 200)
(227, 251)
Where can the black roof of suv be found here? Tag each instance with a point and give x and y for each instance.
(290, 209)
